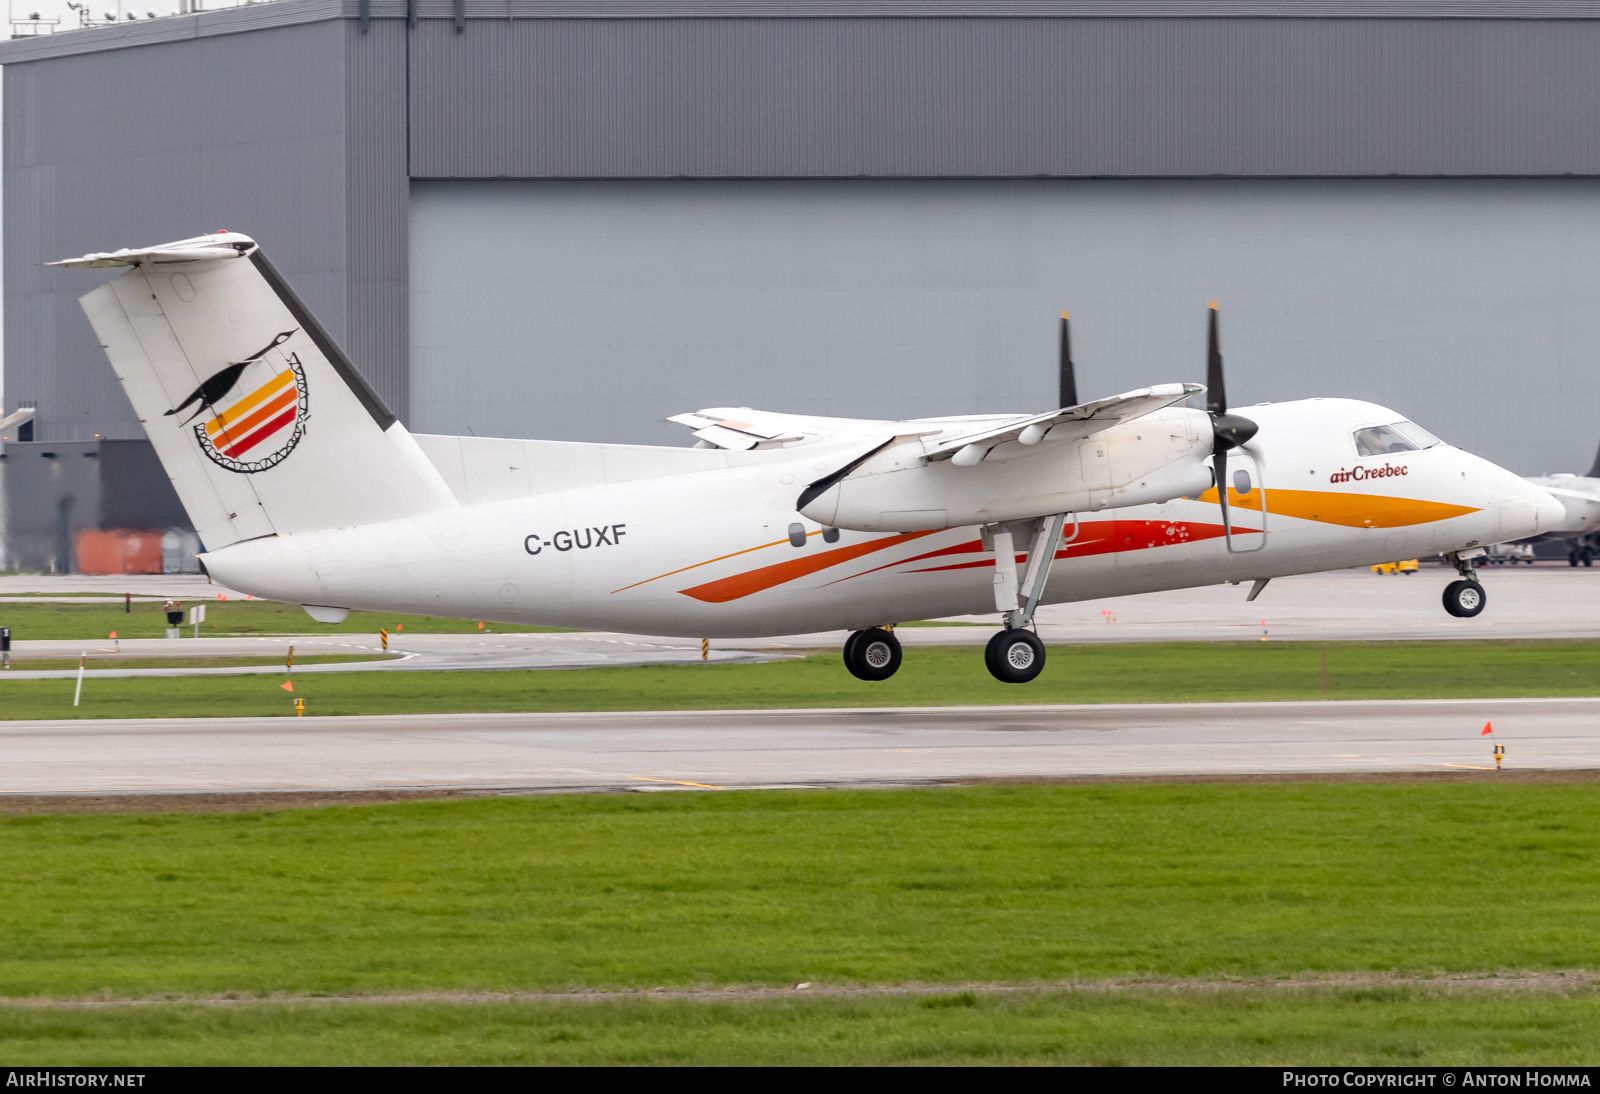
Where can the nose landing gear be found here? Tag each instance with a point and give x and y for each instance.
(1465, 598)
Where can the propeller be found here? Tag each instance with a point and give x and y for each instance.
(1069, 382)
(1229, 430)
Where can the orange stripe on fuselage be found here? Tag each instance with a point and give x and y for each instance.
(244, 406)
(1349, 510)
(754, 581)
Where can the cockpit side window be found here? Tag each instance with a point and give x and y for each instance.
(1418, 436)
(1382, 440)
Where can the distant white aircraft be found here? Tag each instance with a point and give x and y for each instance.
(1579, 529)
(304, 488)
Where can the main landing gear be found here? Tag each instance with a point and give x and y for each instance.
(1016, 655)
(1013, 656)
(872, 654)
(1465, 598)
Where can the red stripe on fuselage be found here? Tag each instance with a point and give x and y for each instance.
(1122, 535)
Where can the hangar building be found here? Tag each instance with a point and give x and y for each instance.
(572, 218)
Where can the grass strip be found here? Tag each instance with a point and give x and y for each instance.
(976, 885)
(1134, 672)
(137, 661)
(224, 618)
(1393, 1026)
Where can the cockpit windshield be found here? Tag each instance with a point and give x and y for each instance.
(1382, 440)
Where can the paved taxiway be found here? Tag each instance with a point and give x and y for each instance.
(645, 750)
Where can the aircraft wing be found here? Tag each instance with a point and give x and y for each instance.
(741, 428)
(1069, 423)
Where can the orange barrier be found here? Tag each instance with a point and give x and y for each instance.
(119, 551)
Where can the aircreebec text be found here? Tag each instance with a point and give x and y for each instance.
(1361, 474)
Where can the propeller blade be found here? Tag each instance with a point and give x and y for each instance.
(1219, 468)
(1228, 430)
(1069, 380)
(1216, 397)
(814, 491)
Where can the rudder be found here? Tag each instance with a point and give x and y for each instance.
(259, 419)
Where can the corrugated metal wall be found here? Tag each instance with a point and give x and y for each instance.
(592, 310)
(740, 97)
(297, 139)
(284, 120)
(375, 209)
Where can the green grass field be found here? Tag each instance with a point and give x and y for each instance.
(1133, 672)
(92, 622)
(1396, 1026)
(962, 885)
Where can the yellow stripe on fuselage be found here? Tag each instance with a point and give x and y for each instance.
(1350, 510)
(250, 401)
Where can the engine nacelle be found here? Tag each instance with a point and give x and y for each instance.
(1151, 459)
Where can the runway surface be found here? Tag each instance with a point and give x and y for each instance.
(726, 749)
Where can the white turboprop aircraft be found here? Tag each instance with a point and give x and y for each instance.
(304, 488)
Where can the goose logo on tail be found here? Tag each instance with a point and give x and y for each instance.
(258, 409)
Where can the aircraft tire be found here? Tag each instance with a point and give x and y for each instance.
(1465, 599)
(850, 643)
(872, 654)
(1014, 656)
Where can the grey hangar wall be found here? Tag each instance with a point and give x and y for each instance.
(1394, 200)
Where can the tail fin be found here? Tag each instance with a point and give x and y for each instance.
(260, 421)
(1594, 472)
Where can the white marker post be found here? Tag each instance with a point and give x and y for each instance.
(78, 691)
(197, 616)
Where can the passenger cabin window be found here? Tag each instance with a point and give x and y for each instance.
(1382, 440)
(1241, 483)
(797, 534)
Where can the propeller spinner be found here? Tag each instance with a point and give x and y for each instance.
(1229, 430)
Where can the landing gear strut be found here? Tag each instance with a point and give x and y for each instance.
(872, 654)
(1016, 655)
(1465, 598)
